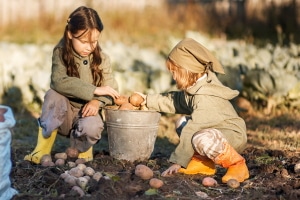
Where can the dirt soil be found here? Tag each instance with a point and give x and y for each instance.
(271, 163)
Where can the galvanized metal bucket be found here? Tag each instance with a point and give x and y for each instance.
(131, 133)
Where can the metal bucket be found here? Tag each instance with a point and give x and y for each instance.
(131, 133)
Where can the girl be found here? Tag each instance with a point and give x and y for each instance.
(212, 133)
(81, 84)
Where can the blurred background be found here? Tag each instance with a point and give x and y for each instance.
(256, 40)
(151, 22)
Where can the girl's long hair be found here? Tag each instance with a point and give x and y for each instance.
(85, 19)
(184, 78)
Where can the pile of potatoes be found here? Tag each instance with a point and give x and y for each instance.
(60, 158)
(78, 177)
(133, 102)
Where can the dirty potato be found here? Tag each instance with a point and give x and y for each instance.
(126, 106)
(136, 100)
(72, 152)
(143, 172)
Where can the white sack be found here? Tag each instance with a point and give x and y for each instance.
(6, 191)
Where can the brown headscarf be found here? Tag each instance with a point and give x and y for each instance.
(194, 57)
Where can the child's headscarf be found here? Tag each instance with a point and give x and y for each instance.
(194, 57)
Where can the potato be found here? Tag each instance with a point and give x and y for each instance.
(48, 164)
(76, 172)
(135, 99)
(89, 171)
(46, 158)
(62, 155)
(126, 106)
(78, 190)
(143, 172)
(121, 100)
(209, 182)
(72, 152)
(71, 180)
(82, 182)
(71, 164)
(97, 176)
(60, 162)
(233, 183)
(81, 166)
(156, 183)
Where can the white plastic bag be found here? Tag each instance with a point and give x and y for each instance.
(6, 191)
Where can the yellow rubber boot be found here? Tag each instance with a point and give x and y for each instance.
(87, 155)
(43, 147)
(199, 165)
(237, 168)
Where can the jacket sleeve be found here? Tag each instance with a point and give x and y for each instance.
(71, 87)
(108, 80)
(171, 102)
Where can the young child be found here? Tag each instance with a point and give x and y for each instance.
(81, 84)
(212, 133)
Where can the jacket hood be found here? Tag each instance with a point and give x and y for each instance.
(212, 87)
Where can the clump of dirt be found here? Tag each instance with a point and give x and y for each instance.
(272, 173)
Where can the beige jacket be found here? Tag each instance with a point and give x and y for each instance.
(80, 90)
(209, 107)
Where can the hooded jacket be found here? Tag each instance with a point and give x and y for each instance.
(80, 90)
(208, 104)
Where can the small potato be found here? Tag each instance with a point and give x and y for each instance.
(81, 166)
(64, 175)
(82, 182)
(71, 180)
(156, 183)
(60, 162)
(71, 164)
(89, 171)
(121, 100)
(46, 158)
(143, 172)
(233, 183)
(80, 161)
(126, 106)
(62, 155)
(78, 190)
(135, 99)
(97, 176)
(76, 172)
(209, 182)
(48, 164)
(72, 152)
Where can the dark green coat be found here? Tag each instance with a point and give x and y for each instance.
(209, 107)
(80, 90)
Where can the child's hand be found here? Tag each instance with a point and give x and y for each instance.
(91, 108)
(106, 90)
(171, 170)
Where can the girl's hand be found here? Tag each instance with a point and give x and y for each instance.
(106, 90)
(171, 170)
(91, 108)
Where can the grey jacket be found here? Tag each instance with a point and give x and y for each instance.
(208, 104)
(80, 90)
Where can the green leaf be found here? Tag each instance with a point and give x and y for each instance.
(151, 191)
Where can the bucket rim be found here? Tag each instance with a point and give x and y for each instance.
(109, 108)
